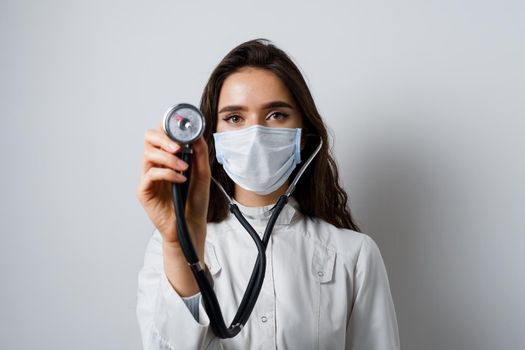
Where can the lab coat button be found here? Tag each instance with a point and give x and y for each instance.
(264, 319)
(320, 273)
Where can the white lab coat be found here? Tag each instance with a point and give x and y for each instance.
(325, 288)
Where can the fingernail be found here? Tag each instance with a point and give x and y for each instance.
(172, 146)
(183, 164)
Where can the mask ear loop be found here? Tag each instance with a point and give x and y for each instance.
(291, 188)
(226, 195)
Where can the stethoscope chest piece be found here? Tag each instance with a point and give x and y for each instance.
(184, 123)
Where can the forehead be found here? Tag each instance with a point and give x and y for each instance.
(253, 86)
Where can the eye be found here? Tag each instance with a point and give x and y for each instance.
(277, 116)
(232, 119)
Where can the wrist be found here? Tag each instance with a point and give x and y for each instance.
(172, 252)
(174, 249)
(177, 270)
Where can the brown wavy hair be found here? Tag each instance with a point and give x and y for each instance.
(318, 192)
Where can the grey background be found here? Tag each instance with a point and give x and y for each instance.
(426, 107)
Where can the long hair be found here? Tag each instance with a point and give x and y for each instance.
(318, 192)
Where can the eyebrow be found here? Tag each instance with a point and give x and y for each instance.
(269, 105)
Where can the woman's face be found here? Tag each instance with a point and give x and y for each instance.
(255, 96)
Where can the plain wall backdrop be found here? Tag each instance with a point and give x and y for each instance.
(425, 100)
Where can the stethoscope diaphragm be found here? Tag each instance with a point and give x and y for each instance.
(184, 123)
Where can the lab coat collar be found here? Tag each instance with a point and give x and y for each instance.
(259, 216)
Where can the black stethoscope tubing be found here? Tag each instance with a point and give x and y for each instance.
(199, 270)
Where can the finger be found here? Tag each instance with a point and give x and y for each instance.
(198, 199)
(159, 139)
(160, 174)
(155, 157)
(201, 162)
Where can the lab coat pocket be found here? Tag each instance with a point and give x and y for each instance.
(211, 259)
(323, 262)
(322, 269)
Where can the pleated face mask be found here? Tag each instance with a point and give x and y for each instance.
(259, 158)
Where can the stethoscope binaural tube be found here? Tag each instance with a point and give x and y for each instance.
(180, 131)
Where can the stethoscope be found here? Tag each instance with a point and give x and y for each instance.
(184, 124)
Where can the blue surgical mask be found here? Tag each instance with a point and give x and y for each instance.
(258, 158)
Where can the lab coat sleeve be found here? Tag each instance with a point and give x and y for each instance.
(193, 304)
(372, 324)
(165, 321)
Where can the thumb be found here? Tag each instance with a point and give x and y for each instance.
(201, 165)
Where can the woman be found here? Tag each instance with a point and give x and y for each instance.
(325, 285)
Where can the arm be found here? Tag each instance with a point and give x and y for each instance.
(161, 167)
(164, 319)
(372, 324)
